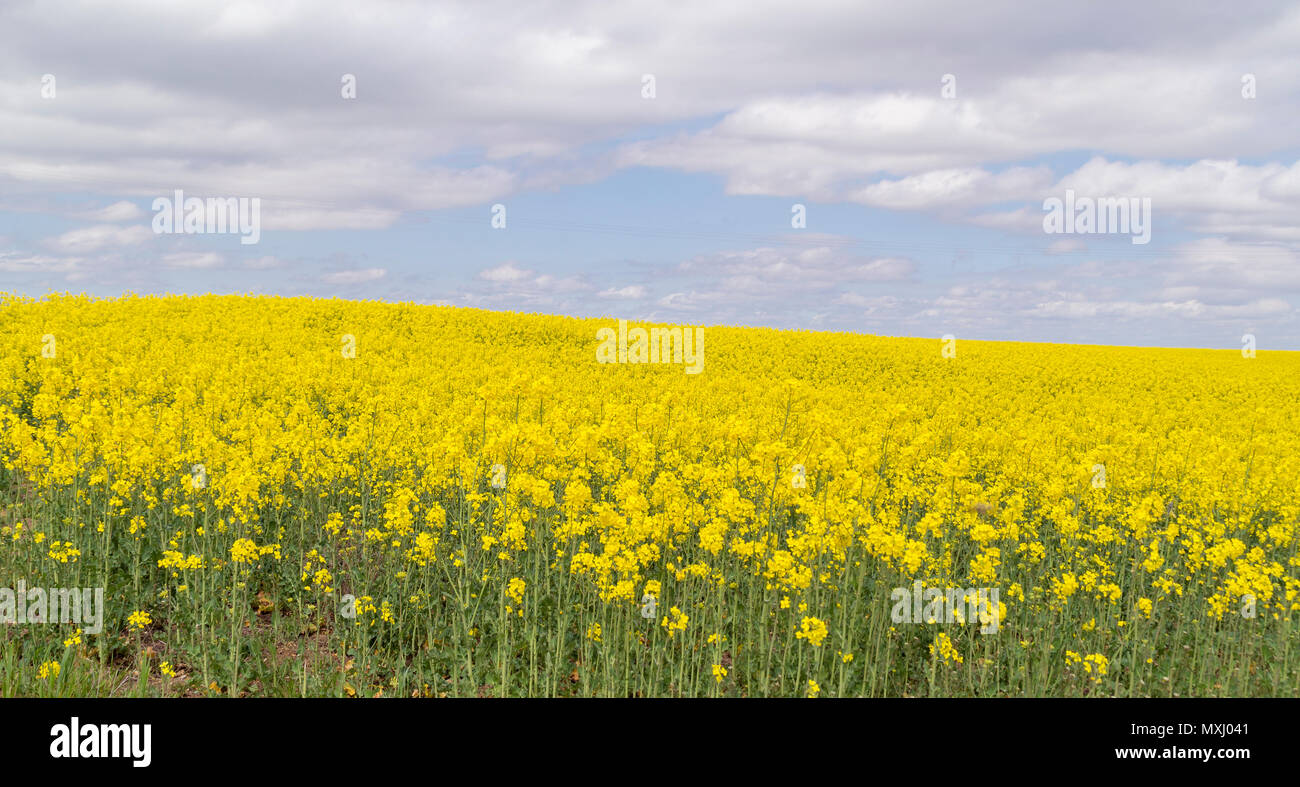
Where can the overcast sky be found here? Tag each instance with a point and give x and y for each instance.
(922, 140)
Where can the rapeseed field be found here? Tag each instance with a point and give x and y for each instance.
(297, 496)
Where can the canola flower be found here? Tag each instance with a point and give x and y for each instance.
(813, 630)
(944, 649)
(318, 477)
(515, 590)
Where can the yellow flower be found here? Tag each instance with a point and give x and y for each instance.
(945, 649)
(367, 467)
(719, 672)
(675, 621)
(244, 550)
(1097, 659)
(515, 590)
(813, 630)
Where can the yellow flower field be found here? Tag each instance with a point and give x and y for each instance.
(324, 497)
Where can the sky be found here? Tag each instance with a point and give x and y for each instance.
(874, 167)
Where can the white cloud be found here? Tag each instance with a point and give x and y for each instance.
(1192, 309)
(1067, 245)
(506, 273)
(511, 287)
(121, 210)
(100, 236)
(779, 271)
(354, 277)
(961, 187)
(852, 93)
(17, 262)
(263, 263)
(630, 291)
(243, 20)
(193, 259)
(815, 102)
